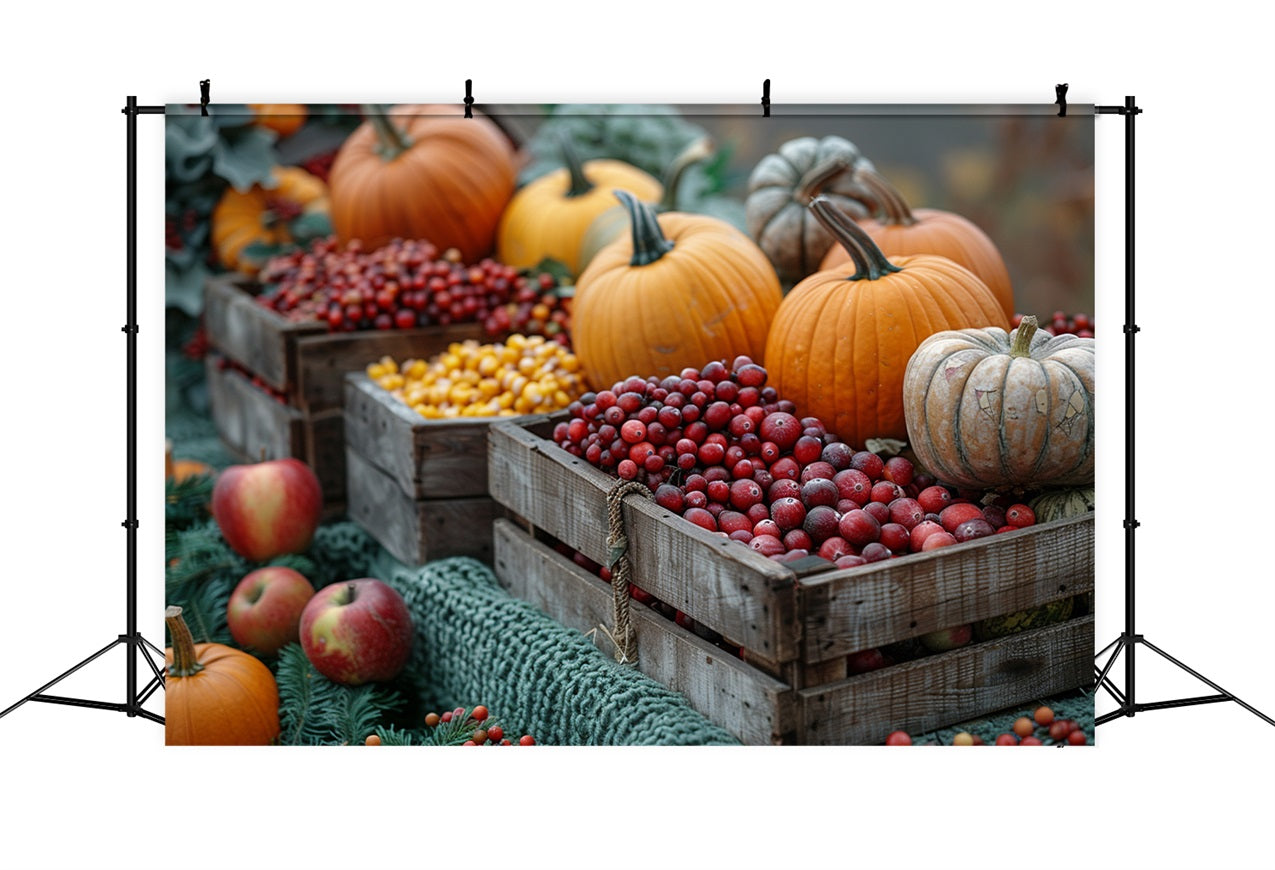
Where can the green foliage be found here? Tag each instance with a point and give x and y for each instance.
(453, 733)
(200, 574)
(186, 502)
(315, 711)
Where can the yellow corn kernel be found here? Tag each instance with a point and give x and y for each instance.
(505, 400)
(416, 369)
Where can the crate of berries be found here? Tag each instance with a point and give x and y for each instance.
(416, 439)
(290, 337)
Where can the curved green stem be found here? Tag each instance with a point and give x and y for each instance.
(649, 242)
(870, 264)
(890, 206)
(817, 177)
(391, 141)
(698, 150)
(575, 168)
(185, 662)
(1022, 345)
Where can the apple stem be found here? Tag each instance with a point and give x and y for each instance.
(185, 663)
(352, 592)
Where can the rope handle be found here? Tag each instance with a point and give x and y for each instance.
(624, 638)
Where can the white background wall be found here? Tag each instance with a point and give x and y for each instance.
(1186, 788)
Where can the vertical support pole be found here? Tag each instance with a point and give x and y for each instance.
(1130, 329)
(130, 330)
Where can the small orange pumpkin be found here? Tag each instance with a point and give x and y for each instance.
(422, 172)
(284, 118)
(264, 218)
(549, 216)
(681, 291)
(840, 343)
(216, 695)
(899, 230)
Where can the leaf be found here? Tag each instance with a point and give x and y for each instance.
(184, 289)
(555, 268)
(247, 159)
(189, 143)
(310, 226)
(885, 446)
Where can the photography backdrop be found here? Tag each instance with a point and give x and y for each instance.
(398, 231)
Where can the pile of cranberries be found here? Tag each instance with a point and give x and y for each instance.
(408, 284)
(723, 450)
(1062, 323)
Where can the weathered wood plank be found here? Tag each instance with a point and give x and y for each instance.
(250, 334)
(250, 421)
(952, 687)
(428, 458)
(722, 584)
(325, 453)
(754, 707)
(858, 608)
(322, 361)
(416, 531)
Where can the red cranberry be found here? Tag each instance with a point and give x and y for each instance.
(783, 488)
(701, 518)
(994, 514)
(781, 428)
(785, 467)
(714, 371)
(896, 537)
(819, 491)
(859, 528)
(898, 470)
(934, 498)
(906, 512)
(875, 552)
(769, 451)
(727, 391)
(733, 521)
(955, 514)
(744, 494)
(869, 463)
(1020, 516)
(627, 469)
(938, 539)
(880, 512)
(719, 491)
(971, 529)
(758, 512)
(743, 469)
(788, 513)
(717, 472)
(834, 548)
(816, 469)
(767, 545)
(885, 492)
(852, 561)
(837, 454)
(854, 485)
(751, 375)
(807, 449)
(711, 453)
(821, 523)
(695, 482)
(768, 527)
(920, 532)
(696, 499)
(797, 539)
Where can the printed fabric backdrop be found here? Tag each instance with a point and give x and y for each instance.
(610, 424)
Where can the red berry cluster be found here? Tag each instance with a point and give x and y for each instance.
(1062, 323)
(720, 448)
(224, 364)
(483, 733)
(1039, 729)
(407, 284)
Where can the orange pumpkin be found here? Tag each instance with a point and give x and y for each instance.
(550, 216)
(284, 118)
(840, 344)
(215, 695)
(263, 218)
(899, 230)
(422, 172)
(681, 291)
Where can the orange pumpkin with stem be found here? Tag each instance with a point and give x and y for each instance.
(681, 291)
(216, 695)
(900, 230)
(263, 217)
(840, 344)
(422, 172)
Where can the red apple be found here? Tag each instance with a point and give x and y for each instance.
(265, 609)
(267, 509)
(356, 632)
(948, 638)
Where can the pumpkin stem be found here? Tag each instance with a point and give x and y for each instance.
(812, 183)
(575, 167)
(698, 150)
(391, 141)
(649, 241)
(890, 207)
(184, 661)
(870, 264)
(1022, 345)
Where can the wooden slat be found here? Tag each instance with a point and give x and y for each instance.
(250, 334)
(858, 608)
(249, 420)
(723, 584)
(750, 705)
(416, 531)
(952, 687)
(325, 453)
(322, 361)
(428, 458)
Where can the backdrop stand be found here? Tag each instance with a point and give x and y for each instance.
(1129, 640)
(136, 645)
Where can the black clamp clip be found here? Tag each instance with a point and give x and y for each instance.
(1060, 99)
(204, 85)
(765, 98)
(469, 98)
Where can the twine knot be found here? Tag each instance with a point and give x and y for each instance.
(624, 638)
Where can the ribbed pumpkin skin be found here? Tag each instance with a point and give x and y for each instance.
(1059, 504)
(543, 221)
(838, 348)
(946, 235)
(775, 210)
(449, 187)
(233, 701)
(239, 219)
(979, 417)
(711, 297)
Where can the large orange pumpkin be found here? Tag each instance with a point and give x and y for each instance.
(421, 172)
(840, 344)
(986, 408)
(899, 230)
(216, 695)
(550, 216)
(681, 291)
(263, 218)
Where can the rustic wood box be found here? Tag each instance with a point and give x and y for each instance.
(799, 622)
(308, 365)
(418, 486)
(758, 708)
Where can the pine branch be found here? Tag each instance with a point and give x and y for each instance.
(313, 710)
(204, 609)
(186, 503)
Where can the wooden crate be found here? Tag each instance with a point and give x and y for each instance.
(308, 365)
(418, 486)
(916, 696)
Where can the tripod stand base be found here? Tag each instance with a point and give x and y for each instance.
(132, 706)
(1129, 707)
